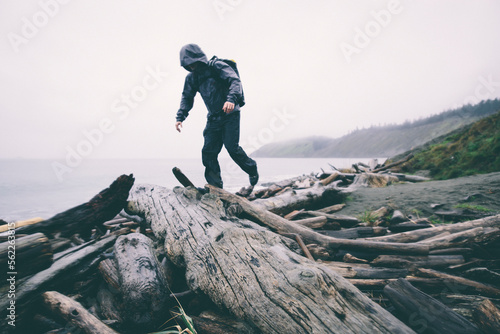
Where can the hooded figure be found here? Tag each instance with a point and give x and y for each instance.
(220, 87)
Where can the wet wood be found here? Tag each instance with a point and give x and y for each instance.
(20, 223)
(424, 313)
(364, 271)
(281, 225)
(31, 253)
(487, 316)
(109, 273)
(414, 236)
(480, 288)
(314, 197)
(315, 222)
(356, 232)
(108, 305)
(35, 284)
(394, 164)
(342, 220)
(241, 268)
(143, 284)
(74, 312)
(431, 261)
(80, 219)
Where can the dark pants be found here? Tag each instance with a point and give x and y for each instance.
(224, 130)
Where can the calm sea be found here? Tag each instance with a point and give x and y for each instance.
(31, 188)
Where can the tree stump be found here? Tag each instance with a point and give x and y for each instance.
(251, 272)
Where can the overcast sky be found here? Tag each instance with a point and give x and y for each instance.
(103, 79)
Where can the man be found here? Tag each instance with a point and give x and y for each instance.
(220, 87)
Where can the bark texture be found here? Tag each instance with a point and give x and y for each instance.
(251, 272)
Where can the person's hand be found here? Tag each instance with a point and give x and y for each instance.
(178, 126)
(228, 107)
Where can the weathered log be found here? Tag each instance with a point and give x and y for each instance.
(487, 317)
(452, 251)
(332, 208)
(315, 222)
(394, 164)
(35, 284)
(364, 271)
(431, 261)
(379, 284)
(75, 313)
(478, 235)
(483, 275)
(6, 227)
(424, 313)
(410, 226)
(207, 326)
(483, 289)
(414, 236)
(108, 305)
(182, 178)
(318, 252)
(216, 322)
(251, 272)
(342, 220)
(143, 284)
(309, 236)
(109, 273)
(314, 197)
(59, 244)
(373, 180)
(301, 244)
(80, 219)
(330, 179)
(26, 255)
(410, 178)
(355, 232)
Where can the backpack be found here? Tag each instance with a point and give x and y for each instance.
(232, 64)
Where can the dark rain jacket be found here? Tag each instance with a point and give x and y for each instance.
(216, 81)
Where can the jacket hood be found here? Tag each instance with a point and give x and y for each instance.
(190, 54)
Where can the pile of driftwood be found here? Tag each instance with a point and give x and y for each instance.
(282, 261)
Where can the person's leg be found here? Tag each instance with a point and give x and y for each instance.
(212, 146)
(231, 138)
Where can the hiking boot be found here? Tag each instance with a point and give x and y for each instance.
(254, 179)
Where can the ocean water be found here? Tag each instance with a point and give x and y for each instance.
(32, 188)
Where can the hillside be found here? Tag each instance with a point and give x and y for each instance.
(381, 141)
(474, 149)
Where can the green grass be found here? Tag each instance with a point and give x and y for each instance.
(367, 217)
(474, 150)
(478, 208)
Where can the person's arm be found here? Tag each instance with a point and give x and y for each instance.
(187, 99)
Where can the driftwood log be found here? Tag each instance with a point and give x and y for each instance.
(414, 236)
(143, 284)
(317, 196)
(487, 316)
(251, 272)
(101, 208)
(36, 284)
(72, 311)
(32, 253)
(282, 225)
(424, 313)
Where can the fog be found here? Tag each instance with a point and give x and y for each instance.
(102, 79)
